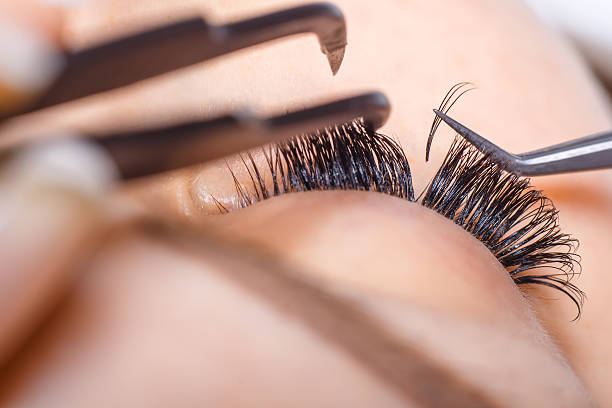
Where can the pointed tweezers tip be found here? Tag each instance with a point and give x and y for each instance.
(334, 58)
(506, 160)
(465, 132)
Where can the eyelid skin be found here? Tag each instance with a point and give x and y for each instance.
(222, 309)
(339, 239)
(390, 318)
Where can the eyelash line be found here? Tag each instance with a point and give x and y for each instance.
(517, 223)
(351, 156)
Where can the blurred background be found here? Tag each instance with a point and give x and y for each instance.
(588, 25)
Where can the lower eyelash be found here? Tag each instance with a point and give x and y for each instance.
(516, 222)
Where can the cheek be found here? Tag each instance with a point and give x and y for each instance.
(385, 245)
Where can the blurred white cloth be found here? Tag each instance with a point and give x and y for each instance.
(588, 23)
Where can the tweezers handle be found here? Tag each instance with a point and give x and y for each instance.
(160, 50)
(145, 152)
(127, 60)
(588, 153)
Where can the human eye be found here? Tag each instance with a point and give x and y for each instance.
(517, 223)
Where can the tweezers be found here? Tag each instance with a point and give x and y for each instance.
(127, 60)
(164, 49)
(588, 153)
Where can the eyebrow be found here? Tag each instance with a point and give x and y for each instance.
(337, 320)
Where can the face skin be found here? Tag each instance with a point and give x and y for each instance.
(146, 307)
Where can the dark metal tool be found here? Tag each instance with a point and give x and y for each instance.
(164, 49)
(587, 153)
(146, 152)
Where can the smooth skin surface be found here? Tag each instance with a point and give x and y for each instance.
(151, 321)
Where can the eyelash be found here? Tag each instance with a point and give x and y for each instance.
(347, 157)
(516, 222)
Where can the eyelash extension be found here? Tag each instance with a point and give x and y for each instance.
(451, 98)
(517, 223)
(347, 157)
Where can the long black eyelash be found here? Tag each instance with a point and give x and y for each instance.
(451, 97)
(517, 223)
(347, 157)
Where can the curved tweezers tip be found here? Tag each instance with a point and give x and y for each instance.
(334, 58)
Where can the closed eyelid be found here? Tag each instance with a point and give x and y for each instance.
(339, 318)
(387, 247)
(391, 339)
(514, 221)
(369, 325)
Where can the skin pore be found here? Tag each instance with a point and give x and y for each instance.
(430, 282)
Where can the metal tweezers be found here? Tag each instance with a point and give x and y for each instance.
(160, 50)
(587, 153)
